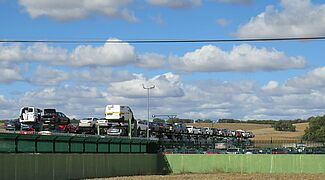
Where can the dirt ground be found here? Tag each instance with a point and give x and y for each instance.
(224, 176)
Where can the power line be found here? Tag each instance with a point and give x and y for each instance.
(164, 41)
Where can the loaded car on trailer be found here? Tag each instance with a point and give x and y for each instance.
(53, 120)
(30, 115)
(123, 116)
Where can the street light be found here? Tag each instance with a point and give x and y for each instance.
(148, 89)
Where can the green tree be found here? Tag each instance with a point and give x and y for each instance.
(158, 120)
(316, 130)
(284, 125)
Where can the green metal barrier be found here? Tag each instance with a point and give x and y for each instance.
(32, 143)
(8, 143)
(76, 166)
(45, 144)
(77, 144)
(246, 163)
(26, 143)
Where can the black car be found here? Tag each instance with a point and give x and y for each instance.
(51, 116)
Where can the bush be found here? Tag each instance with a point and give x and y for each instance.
(283, 125)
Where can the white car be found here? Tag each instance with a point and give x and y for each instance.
(102, 122)
(190, 129)
(88, 122)
(142, 125)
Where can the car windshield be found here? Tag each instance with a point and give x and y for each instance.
(49, 111)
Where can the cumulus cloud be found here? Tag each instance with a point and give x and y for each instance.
(77, 9)
(100, 75)
(83, 103)
(48, 76)
(244, 57)
(109, 54)
(175, 3)
(314, 79)
(9, 73)
(297, 18)
(151, 60)
(196, 99)
(166, 85)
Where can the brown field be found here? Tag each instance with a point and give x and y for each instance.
(268, 133)
(223, 176)
(261, 131)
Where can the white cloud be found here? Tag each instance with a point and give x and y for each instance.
(298, 18)
(10, 52)
(100, 75)
(271, 85)
(97, 76)
(76, 9)
(9, 73)
(166, 85)
(314, 79)
(175, 3)
(244, 57)
(199, 99)
(151, 60)
(109, 54)
(48, 76)
(72, 100)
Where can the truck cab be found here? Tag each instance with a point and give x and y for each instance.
(30, 114)
(119, 113)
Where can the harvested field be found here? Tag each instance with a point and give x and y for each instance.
(223, 176)
(268, 133)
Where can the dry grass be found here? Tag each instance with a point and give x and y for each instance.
(261, 131)
(224, 176)
(268, 133)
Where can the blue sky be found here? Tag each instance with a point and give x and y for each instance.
(260, 80)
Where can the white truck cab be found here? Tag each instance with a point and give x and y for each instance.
(118, 113)
(30, 114)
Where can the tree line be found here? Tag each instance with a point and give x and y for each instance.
(316, 130)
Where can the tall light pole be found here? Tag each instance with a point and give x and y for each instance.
(148, 89)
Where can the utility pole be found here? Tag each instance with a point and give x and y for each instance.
(148, 89)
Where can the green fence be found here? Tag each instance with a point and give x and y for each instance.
(246, 163)
(31, 143)
(76, 166)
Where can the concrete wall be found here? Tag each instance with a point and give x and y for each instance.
(76, 166)
(263, 163)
